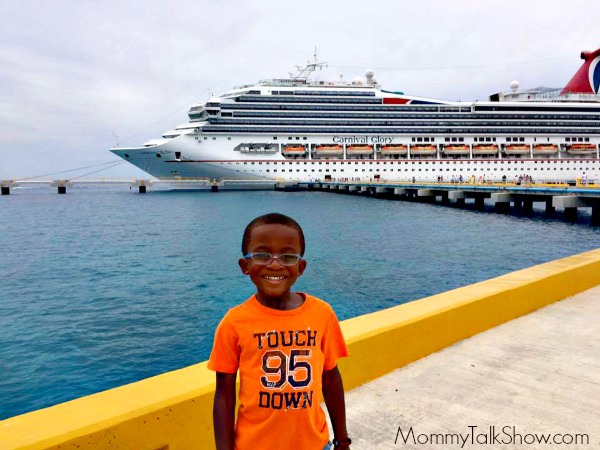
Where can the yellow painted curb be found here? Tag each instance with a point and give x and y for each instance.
(174, 410)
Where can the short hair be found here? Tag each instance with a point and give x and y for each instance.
(272, 219)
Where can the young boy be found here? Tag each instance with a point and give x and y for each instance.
(285, 345)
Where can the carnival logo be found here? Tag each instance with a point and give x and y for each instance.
(594, 74)
(362, 140)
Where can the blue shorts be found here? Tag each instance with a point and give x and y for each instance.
(328, 446)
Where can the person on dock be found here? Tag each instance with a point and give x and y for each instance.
(285, 346)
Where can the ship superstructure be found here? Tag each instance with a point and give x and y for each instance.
(299, 129)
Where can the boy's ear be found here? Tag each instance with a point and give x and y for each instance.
(301, 267)
(243, 263)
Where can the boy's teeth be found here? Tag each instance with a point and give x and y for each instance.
(274, 278)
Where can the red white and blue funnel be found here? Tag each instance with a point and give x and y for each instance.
(587, 78)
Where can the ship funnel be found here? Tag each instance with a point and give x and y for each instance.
(587, 78)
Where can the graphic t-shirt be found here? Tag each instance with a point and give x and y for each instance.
(281, 356)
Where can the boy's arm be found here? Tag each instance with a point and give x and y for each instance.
(224, 410)
(333, 393)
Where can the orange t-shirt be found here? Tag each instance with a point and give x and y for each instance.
(281, 356)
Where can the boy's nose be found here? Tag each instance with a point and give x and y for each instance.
(273, 259)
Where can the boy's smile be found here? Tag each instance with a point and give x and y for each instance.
(274, 280)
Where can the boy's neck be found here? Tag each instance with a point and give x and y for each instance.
(292, 300)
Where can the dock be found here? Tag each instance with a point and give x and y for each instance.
(503, 196)
(534, 378)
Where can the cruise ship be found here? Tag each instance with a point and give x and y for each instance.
(303, 129)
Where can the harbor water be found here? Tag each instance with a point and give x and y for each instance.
(103, 287)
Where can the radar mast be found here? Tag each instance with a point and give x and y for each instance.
(304, 72)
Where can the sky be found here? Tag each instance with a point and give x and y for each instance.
(77, 77)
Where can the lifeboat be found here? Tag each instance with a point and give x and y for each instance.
(394, 149)
(517, 149)
(582, 149)
(423, 150)
(294, 150)
(359, 149)
(545, 149)
(330, 150)
(461, 149)
(485, 149)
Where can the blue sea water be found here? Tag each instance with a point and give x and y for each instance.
(102, 287)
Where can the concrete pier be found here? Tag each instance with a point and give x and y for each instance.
(501, 196)
(538, 373)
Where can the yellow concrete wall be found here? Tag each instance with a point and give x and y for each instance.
(173, 411)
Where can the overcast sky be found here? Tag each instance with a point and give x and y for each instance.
(73, 73)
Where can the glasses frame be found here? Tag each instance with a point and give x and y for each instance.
(273, 256)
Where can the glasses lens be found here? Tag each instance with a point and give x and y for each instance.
(262, 258)
(288, 259)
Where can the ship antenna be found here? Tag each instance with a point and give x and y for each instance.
(305, 71)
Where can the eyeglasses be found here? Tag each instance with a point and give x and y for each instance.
(285, 259)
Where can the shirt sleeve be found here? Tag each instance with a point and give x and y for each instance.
(225, 355)
(334, 345)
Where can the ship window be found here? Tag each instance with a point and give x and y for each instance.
(158, 155)
(126, 155)
(205, 138)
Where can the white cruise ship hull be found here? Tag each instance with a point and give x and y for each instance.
(301, 130)
(217, 159)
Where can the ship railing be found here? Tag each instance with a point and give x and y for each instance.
(248, 182)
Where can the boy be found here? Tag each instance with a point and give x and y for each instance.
(285, 345)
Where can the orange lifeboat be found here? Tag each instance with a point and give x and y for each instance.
(423, 149)
(517, 149)
(582, 149)
(294, 150)
(330, 150)
(545, 149)
(485, 149)
(461, 149)
(359, 149)
(394, 149)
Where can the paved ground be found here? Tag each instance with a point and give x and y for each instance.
(539, 374)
